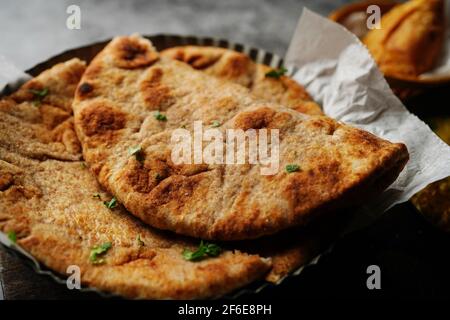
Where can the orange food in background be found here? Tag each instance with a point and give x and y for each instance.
(410, 39)
(434, 201)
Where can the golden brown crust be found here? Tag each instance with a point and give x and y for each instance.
(133, 53)
(239, 68)
(58, 222)
(50, 206)
(155, 94)
(337, 162)
(43, 126)
(410, 39)
(100, 118)
(222, 63)
(61, 81)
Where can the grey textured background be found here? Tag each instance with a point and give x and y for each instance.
(33, 30)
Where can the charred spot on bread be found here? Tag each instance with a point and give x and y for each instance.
(132, 53)
(99, 118)
(84, 89)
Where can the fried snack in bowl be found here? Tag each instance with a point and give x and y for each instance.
(434, 201)
(398, 47)
(353, 16)
(406, 30)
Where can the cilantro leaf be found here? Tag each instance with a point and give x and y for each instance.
(39, 95)
(292, 168)
(133, 150)
(276, 73)
(204, 250)
(111, 204)
(215, 124)
(213, 250)
(99, 251)
(140, 242)
(159, 116)
(12, 236)
(137, 153)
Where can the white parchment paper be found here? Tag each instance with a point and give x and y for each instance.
(339, 73)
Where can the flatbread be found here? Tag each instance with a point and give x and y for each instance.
(114, 109)
(239, 68)
(46, 132)
(46, 129)
(55, 206)
(294, 248)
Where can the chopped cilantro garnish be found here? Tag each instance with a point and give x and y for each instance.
(276, 73)
(215, 124)
(140, 242)
(159, 116)
(292, 168)
(111, 204)
(99, 251)
(39, 95)
(12, 236)
(204, 250)
(137, 153)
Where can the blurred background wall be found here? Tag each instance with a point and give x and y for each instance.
(33, 30)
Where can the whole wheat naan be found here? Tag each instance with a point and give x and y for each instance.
(115, 107)
(239, 68)
(289, 250)
(45, 130)
(55, 206)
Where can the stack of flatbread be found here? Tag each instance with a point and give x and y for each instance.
(72, 193)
